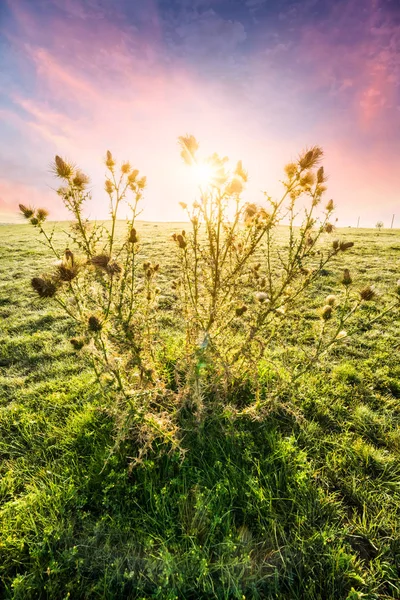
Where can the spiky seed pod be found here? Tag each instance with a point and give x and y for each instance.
(133, 238)
(346, 278)
(368, 293)
(320, 175)
(26, 211)
(62, 168)
(335, 244)
(77, 343)
(80, 180)
(234, 187)
(328, 227)
(310, 158)
(141, 183)
(181, 242)
(94, 324)
(308, 179)
(330, 206)
(65, 273)
(125, 168)
(100, 261)
(109, 186)
(291, 170)
(327, 312)
(240, 310)
(114, 268)
(242, 173)
(132, 176)
(331, 300)
(44, 287)
(42, 214)
(250, 211)
(189, 147)
(69, 256)
(110, 162)
(346, 245)
(261, 297)
(34, 221)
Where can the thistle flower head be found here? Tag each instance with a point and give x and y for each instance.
(346, 278)
(42, 214)
(189, 147)
(240, 172)
(133, 238)
(80, 180)
(100, 261)
(335, 244)
(307, 179)
(291, 170)
(330, 206)
(368, 293)
(113, 268)
(110, 162)
(132, 176)
(65, 272)
(109, 186)
(77, 343)
(44, 287)
(250, 211)
(94, 324)
(240, 310)
(310, 158)
(125, 168)
(329, 227)
(331, 300)
(234, 187)
(345, 245)
(321, 175)
(141, 183)
(69, 256)
(62, 168)
(326, 313)
(26, 211)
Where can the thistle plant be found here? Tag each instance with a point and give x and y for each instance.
(99, 282)
(238, 287)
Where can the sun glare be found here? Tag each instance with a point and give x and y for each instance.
(203, 173)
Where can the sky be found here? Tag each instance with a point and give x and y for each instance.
(257, 80)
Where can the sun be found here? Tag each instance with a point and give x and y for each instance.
(203, 173)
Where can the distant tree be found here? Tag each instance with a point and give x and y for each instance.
(379, 225)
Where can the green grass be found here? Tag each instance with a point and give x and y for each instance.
(304, 503)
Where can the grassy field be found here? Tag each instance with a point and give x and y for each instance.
(304, 503)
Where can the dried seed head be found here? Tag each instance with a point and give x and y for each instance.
(234, 187)
(62, 168)
(368, 293)
(330, 206)
(141, 183)
(65, 273)
(240, 310)
(34, 221)
(310, 158)
(125, 168)
(261, 297)
(110, 162)
(44, 287)
(331, 300)
(241, 172)
(80, 180)
(346, 277)
(189, 147)
(291, 170)
(114, 268)
(320, 175)
(132, 176)
(250, 211)
(109, 186)
(100, 261)
(335, 244)
(94, 324)
(328, 227)
(42, 214)
(327, 312)
(77, 343)
(181, 241)
(346, 245)
(133, 238)
(308, 179)
(26, 211)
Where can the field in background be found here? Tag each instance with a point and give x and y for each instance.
(304, 504)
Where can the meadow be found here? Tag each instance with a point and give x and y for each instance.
(301, 503)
